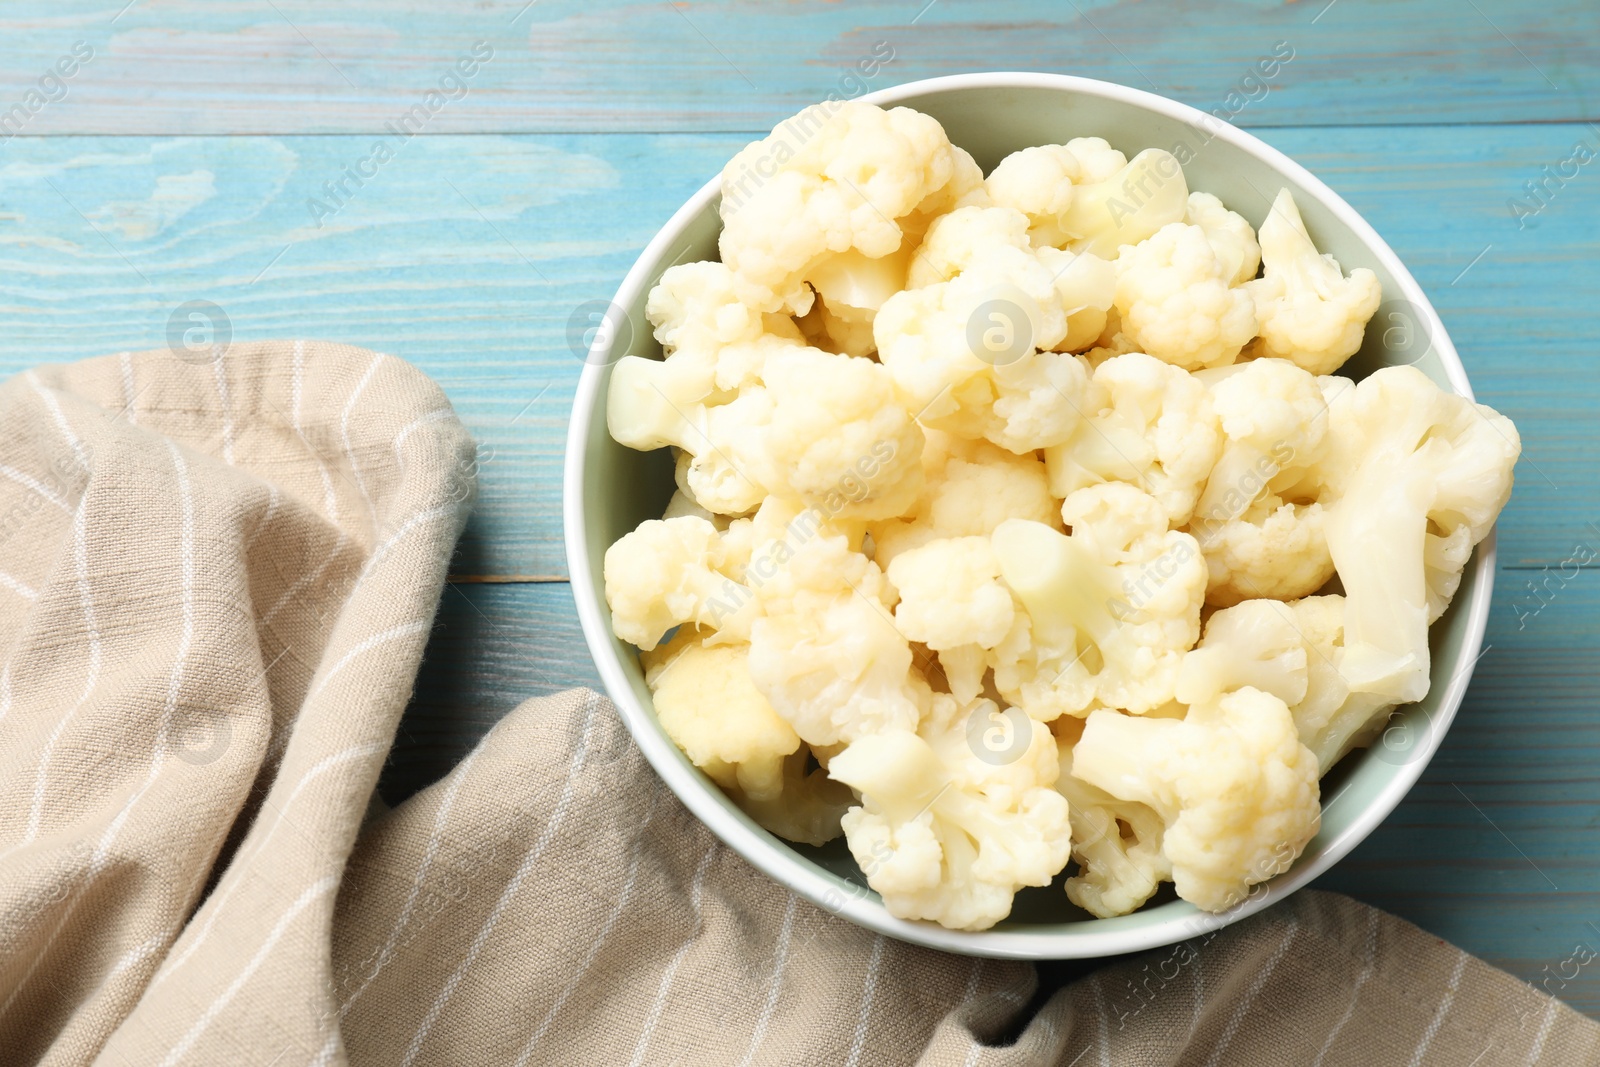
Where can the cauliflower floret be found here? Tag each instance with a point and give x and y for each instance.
(823, 184)
(850, 288)
(835, 428)
(1110, 609)
(711, 709)
(1231, 780)
(1116, 843)
(1038, 182)
(969, 488)
(825, 652)
(1310, 313)
(698, 318)
(952, 600)
(808, 806)
(1332, 720)
(1065, 295)
(943, 834)
(651, 404)
(669, 572)
(1257, 543)
(1147, 422)
(1112, 210)
(1022, 403)
(1271, 549)
(1293, 651)
(1174, 300)
(1253, 644)
(1231, 237)
(1416, 477)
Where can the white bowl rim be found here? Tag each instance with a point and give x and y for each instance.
(824, 889)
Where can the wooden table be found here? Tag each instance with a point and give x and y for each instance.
(226, 153)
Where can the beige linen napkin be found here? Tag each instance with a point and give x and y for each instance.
(216, 581)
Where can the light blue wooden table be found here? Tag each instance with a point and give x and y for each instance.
(225, 153)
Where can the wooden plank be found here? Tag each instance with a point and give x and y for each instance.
(296, 66)
(468, 255)
(492, 647)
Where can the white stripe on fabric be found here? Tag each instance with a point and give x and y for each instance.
(326, 1053)
(1102, 1024)
(415, 424)
(30, 482)
(21, 588)
(101, 856)
(128, 391)
(1544, 1032)
(314, 892)
(266, 518)
(220, 373)
(435, 837)
(557, 816)
(78, 448)
(80, 561)
(628, 882)
(1355, 991)
(972, 980)
(305, 580)
(406, 527)
(213, 906)
(780, 961)
(1443, 1010)
(858, 1040)
(330, 500)
(1232, 1029)
(5, 691)
(696, 904)
(395, 633)
(344, 430)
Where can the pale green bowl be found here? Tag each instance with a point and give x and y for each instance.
(611, 489)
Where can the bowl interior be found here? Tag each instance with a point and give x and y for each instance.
(621, 488)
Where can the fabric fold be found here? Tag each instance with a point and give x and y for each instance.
(218, 581)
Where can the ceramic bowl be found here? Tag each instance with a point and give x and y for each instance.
(610, 489)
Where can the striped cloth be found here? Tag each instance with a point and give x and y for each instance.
(216, 582)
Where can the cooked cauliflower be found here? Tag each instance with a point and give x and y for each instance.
(1231, 780)
(1293, 651)
(1148, 423)
(669, 572)
(712, 710)
(959, 457)
(969, 488)
(1309, 312)
(835, 428)
(786, 206)
(825, 652)
(1257, 543)
(1174, 300)
(1417, 476)
(1021, 403)
(944, 835)
(1110, 211)
(1110, 608)
(1116, 843)
(1232, 239)
(952, 601)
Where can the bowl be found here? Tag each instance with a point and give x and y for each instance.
(610, 489)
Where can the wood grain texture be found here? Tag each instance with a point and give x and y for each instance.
(467, 254)
(295, 66)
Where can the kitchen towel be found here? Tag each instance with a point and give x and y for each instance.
(218, 572)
